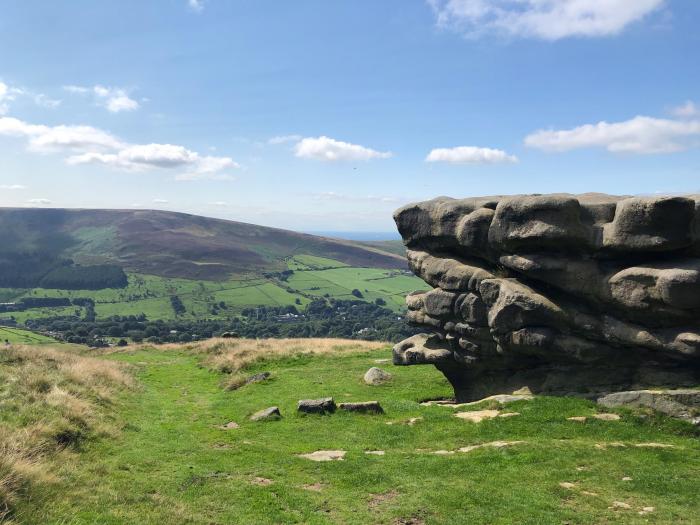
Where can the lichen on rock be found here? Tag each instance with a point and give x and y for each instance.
(563, 294)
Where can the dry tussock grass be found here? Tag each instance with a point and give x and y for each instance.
(232, 355)
(50, 399)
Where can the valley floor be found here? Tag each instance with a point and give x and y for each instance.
(172, 463)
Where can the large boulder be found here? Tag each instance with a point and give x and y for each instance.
(564, 294)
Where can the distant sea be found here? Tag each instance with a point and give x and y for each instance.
(359, 236)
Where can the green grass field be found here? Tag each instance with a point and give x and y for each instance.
(23, 337)
(172, 464)
(313, 277)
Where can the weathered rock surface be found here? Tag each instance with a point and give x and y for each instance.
(683, 404)
(376, 376)
(563, 294)
(267, 414)
(316, 406)
(366, 407)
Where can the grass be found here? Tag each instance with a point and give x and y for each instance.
(52, 403)
(25, 337)
(150, 294)
(173, 464)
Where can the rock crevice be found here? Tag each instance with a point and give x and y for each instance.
(560, 293)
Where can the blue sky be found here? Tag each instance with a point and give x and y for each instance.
(318, 115)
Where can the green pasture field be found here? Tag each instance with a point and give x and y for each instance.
(150, 294)
(172, 463)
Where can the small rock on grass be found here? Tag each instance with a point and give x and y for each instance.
(578, 419)
(620, 505)
(267, 414)
(366, 407)
(325, 455)
(477, 416)
(492, 444)
(375, 452)
(262, 482)
(317, 406)
(231, 425)
(376, 376)
(606, 417)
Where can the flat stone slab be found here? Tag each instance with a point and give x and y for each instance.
(375, 452)
(492, 444)
(606, 417)
(365, 407)
(325, 455)
(267, 414)
(477, 416)
(681, 403)
(499, 398)
(316, 406)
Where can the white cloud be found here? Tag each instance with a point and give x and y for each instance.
(470, 155)
(12, 187)
(46, 139)
(687, 110)
(46, 102)
(328, 149)
(88, 145)
(10, 94)
(115, 100)
(7, 94)
(544, 19)
(78, 90)
(164, 156)
(283, 139)
(41, 202)
(221, 204)
(638, 135)
(160, 201)
(196, 5)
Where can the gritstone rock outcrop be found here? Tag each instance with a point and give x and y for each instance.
(563, 294)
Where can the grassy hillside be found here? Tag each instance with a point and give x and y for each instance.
(166, 244)
(173, 462)
(53, 404)
(22, 337)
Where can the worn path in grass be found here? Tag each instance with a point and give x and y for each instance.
(172, 464)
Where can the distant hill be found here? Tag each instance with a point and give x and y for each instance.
(54, 247)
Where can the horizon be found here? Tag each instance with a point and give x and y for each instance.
(291, 120)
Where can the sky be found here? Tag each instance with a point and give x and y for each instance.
(315, 115)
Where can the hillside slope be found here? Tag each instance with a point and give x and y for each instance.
(34, 242)
(186, 450)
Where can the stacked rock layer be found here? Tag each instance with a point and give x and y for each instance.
(563, 294)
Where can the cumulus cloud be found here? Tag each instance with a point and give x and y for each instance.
(12, 187)
(115, 100)
(196, 5)
(10, 94)
(283, 139)
(160, 201)
(47, 139)
(544, 19)
(638, 135)
(40, 202)
(687, 110)
(88, 145)
(328, 149)
(470, 155)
